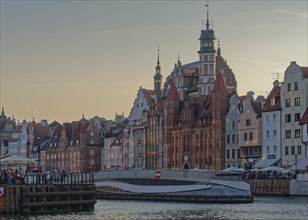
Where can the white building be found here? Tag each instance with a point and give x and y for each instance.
(271, 132)
(233, 151)
(294, 101)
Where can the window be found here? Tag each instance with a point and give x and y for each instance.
(267, 118)
(267, 133)
(274, 117)
(288, 102)
(275, 133)
(228, 154)
(238, 153)
(288, 134)
(233, 153)
(275, 149)
(297, 101)
(272, 101)
(286, 150)
(233, 138)
(247, 122)
(297, 133)
(250, 136)
(292, 150)
(299, 149)
(289, 87)
(288, 118)
(268, 149)
(297, 117)
(245, 136)
(228, 139)
(295, 85)
(233, 124)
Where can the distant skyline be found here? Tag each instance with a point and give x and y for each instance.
(63, 59)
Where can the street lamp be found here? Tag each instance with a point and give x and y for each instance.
(295, 165)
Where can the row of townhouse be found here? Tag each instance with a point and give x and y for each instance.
(214, 131)
(197, 119)
(73, 147)
(275, 134)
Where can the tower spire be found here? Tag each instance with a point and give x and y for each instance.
(179, 62)
(207, 15)
(218, 49)
(158, 55)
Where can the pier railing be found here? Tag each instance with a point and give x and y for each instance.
(193, 175)
(56, 178)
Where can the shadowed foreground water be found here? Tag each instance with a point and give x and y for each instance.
(262, 208)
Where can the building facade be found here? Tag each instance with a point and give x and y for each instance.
(294, 101)
(233, 151)
(250, 131)
(271, 132)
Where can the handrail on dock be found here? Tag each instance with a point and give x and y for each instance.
(56, 178)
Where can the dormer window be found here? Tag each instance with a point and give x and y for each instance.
(272, 101)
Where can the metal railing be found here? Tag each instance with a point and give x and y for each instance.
(55, 178)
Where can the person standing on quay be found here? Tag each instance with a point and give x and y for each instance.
(9, 176)
(47, 176)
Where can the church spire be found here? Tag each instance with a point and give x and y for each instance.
(179, 62)
(158, 56)
(157, 77)
(207, 16)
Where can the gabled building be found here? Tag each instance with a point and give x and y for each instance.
(74, 147)
(233, 150)
(7, 127)
(116, 153)
(106, 155)
(271, 132)
(294, 101)
(250, 131)
(198, 137)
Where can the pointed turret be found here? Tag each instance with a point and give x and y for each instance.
(158, 77)
(220, 85)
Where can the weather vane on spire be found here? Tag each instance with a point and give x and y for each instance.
(158, 54)
(207, 15)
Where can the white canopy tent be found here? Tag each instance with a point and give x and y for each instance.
(301, 165)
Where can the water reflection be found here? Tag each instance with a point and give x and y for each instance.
(262, 208)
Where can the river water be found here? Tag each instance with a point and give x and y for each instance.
(262, 208)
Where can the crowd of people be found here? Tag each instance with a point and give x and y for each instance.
(271, 174)
(20, 176)
(10, 176)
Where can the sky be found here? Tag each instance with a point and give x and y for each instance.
(63, 59)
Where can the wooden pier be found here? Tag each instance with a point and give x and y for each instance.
(75, 192)
(277, 187)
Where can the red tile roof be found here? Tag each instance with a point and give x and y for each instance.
(173, 94)
(274, 94)
(242, 98)
(304, 119)
(220, 85)
(148, 94)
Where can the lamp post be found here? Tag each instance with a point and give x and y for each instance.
(295, 164)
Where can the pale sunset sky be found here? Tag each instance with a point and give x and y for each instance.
(62, 59)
